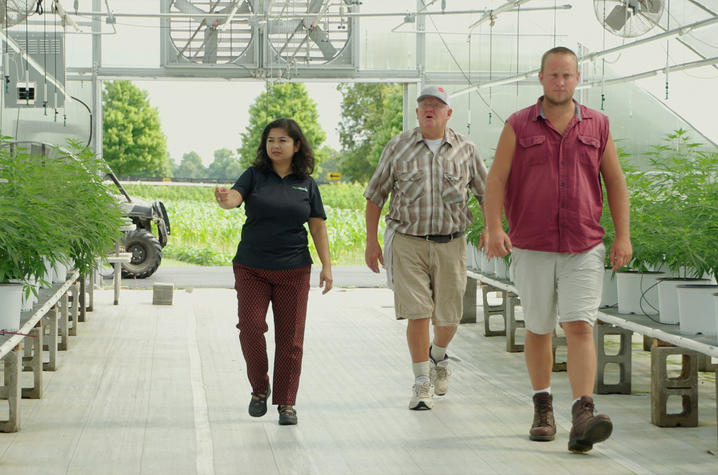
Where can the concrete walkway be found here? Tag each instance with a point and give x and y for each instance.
(153, 390)
(222, 277)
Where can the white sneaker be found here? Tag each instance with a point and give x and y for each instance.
(422, 396)
(440, 375)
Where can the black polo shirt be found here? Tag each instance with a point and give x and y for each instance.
(274, 236)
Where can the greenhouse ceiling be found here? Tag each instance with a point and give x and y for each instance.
(489, 50)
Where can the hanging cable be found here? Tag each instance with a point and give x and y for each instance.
(54, 70)
(518, 38)
(40, 10)
(458, 65)
(468, 99)
(554, 21)
(492, 22)
(64, 104)
(668, 27)
(603, 62)
(27, 57)
(6, 73)
(89, 139)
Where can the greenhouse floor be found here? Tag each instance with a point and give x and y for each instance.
(162, 390)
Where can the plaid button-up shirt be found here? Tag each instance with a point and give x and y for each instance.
(429, 193)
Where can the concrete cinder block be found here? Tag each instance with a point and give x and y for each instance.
(622, 359)
(162, 293)
(490, 310)
(685, 386)
(511, 324)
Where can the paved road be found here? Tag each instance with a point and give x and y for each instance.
(222, 277)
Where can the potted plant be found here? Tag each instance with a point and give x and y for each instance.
(52, 208)
(674, 218)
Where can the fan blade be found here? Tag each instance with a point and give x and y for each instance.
(210, 45)
(197, 13)
(283, 26)
(315, 6)
(231, 10)
(321, 39)
(652, 6)
(617, 18)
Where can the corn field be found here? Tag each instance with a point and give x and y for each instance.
(205, 234)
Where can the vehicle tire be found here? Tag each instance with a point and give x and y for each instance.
(146, 254)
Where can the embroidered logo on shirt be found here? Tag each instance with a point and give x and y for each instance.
(303, 188)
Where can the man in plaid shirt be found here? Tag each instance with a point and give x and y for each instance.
(429, 172)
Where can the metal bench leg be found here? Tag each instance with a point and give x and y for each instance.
(623, 359)
(11, 389)
(33, 362)
(512, 324)
(685, 386)
(493, 310)
(556, 342)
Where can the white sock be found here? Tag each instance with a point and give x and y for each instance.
(438, 352)
(421, 370)
(547, 390)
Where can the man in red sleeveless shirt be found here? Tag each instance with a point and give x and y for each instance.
(547, 174)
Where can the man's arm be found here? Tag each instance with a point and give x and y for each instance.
(372, 253)
(498, 243)
(617, 193)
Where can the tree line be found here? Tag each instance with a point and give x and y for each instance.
(135, 145)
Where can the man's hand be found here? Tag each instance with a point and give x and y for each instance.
(498, 244)
(483, 238)
(373, 255)
(621, 253)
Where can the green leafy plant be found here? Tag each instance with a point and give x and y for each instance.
(674, 208)
(53, 208)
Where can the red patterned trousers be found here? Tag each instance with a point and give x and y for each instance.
(288, 291)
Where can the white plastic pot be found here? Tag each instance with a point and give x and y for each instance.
(500, 268)
(10, 305)
(638, 292)
(487, 265)
(609, 292)
(696, 309)
(59, 272)
(668, 297)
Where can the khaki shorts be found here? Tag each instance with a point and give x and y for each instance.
(558, 287)
(429, 279)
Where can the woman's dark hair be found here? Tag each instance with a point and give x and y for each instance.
(303, 160)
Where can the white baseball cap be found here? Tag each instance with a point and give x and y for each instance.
(434, 91)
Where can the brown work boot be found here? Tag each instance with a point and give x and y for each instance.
(587, 428)
(544, 427)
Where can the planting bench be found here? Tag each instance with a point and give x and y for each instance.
(51, 312)
(668, 338)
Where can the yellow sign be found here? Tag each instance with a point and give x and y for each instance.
(334, 176)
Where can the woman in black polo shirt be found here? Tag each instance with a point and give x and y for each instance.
(272, 263)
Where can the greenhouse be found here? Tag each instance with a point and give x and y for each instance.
(131, 130)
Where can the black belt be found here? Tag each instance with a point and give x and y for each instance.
(442, 238)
